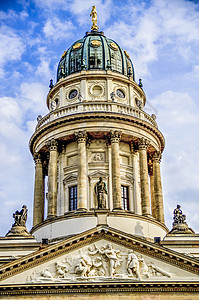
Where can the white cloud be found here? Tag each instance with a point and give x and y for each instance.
(55, 29)
(12, 48)
(82, 10)
(178, 119)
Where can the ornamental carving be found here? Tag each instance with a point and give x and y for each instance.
(81, 136)
(99, 263)
(52, 145)
(157, 157)
(98, 157)
(143, 144)
(115, 136)
(37, 158)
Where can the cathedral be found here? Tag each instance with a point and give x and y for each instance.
(98, 222)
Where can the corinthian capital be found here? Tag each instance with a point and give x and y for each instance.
(37, 158)
(115, 136)
(157, 156)
(143, 143)
(52, 145)
(81, 136)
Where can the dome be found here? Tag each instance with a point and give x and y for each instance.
(95, 52)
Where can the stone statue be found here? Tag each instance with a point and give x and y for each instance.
(19, 226)
(101, 191)
(133, 264)
(179, 223)
(178, 218)
(94, 18)
(20, 217)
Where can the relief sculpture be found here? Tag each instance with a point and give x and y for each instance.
(95, 263)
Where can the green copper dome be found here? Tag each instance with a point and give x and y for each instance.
(95, 52)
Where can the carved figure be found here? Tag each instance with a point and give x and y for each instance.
(101, 191)
(46, 274)
(61, 269)
(84, 266)
(133, 264)
(113, 257)
(178, 218)
(20, 217)
(144, 269)
(94, 18)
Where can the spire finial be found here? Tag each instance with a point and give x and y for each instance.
(94, 18)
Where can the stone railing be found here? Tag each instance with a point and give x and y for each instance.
(83, 107)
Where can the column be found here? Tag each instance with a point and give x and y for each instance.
(38, 211)
(158, 198)
(52, 178)
(136, 189)
(116, 181)
(145, 198)
(82, 176)
(153, 205)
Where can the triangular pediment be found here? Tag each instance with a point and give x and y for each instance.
(98, 174)
(100, 255)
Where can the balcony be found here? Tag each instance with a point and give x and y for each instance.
(85, 107)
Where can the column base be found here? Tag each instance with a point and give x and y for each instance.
(148, 216)
(81, 210)
(118, 209)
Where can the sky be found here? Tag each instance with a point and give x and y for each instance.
(162, 39)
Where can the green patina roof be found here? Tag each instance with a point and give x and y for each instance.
(95, 52)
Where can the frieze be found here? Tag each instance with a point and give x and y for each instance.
(100, 262)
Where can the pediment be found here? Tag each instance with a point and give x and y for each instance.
(101, 255)
(71, 177)
(98, 174)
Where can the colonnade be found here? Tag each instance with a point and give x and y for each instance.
(151, 198)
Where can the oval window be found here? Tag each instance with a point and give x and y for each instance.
(120, 93)
(73, 94)
(97, 90)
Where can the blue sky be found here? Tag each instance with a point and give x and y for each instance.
(162, 38)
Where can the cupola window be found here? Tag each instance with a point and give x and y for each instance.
(125, 197)
(95, 57)
(75, 61)
(73, 197)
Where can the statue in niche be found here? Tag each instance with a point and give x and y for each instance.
(101, 192)
(178, 218)
(20, 217)
(133, 264)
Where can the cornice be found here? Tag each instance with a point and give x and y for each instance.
(130, 120)
(99, 288)
(91, 236)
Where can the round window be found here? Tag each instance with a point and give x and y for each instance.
(97, 90)
(73, 94)
(120, 93)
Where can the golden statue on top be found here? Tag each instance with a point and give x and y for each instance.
(94, 18)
